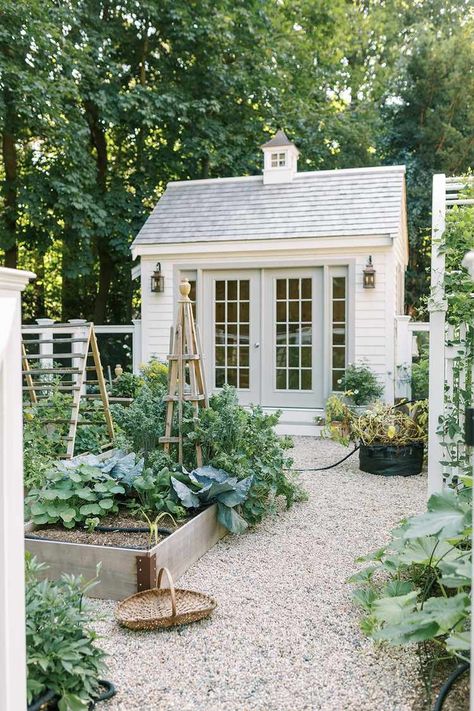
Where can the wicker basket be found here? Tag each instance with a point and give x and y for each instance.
(163, 607)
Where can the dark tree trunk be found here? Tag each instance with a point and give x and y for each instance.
(10, 166)
(106, 263)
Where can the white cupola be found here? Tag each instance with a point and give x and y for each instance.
(280, 158)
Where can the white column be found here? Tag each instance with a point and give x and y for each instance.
(78, 330)
(136, 345)
(12, 585)
(403, 347)
(437, 307)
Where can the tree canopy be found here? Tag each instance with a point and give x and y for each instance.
(102, 103)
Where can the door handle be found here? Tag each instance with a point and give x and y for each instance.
(256, 345)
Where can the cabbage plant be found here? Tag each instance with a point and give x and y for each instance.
(208, 485)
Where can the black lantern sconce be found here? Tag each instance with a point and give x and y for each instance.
(369, 275)
(157, 280)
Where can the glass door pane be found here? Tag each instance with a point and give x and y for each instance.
(294, 334)
(231, 333)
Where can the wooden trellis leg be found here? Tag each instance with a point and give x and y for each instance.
(184, 351)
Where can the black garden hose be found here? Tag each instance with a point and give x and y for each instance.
(331, 466)
(109, 691)
(446, 688)
(131, 529)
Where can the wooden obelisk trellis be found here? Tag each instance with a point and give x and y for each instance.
(71, 380)
(186, 377)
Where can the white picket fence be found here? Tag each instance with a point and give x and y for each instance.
(450, 353)
(12, 586)
(44, 331)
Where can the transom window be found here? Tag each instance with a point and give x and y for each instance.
(294, 334)
(338, 329)
(278, 160)
(232, 323)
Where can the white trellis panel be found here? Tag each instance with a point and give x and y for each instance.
(12, 592)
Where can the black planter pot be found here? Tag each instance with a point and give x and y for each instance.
(387, 460)
(49, 701)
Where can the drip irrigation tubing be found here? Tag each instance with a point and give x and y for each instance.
(446, 688)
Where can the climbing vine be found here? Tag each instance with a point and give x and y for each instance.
(458, 239)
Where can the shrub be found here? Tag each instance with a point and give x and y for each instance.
(155, 375)
(360, 384)
(420, 378)
(62, 654)
(126, 385)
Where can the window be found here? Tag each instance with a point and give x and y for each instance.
(231, 332)
(278, 160)
(338, 329)
(294, 329)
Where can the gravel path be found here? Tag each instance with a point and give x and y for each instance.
(285, 635)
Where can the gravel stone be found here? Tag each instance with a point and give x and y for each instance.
(285, 635)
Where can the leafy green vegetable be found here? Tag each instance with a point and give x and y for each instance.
(62, 654)
(209, 485)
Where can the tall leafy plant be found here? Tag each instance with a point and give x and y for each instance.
(418, 587)
(62, 654)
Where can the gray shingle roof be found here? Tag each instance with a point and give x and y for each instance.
(279, 139)
(359, 201)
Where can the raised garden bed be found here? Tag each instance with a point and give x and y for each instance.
(126, 570)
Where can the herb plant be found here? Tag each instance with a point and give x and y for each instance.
(62, 654)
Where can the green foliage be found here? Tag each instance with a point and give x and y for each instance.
(389, 425)
(62, 654)
(360, 384)
(208, 485)
(73, 493)
(142, 423)
(152, 492)
(244, 444)
(127, 385)
(458, 393)
(420, 377)
(337, 419)
(155, 375)
(419, 586)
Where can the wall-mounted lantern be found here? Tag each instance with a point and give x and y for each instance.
(369, 275)
(157, 280)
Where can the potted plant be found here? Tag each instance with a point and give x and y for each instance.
(391, 439)
(337, 419)
(360, 386)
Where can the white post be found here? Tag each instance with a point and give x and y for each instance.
(437, 308)
(403, 357)
(45, 349)
(136, 345)
(12, 574)
(78, 330)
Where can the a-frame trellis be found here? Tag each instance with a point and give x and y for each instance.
(186, 376)
(40, 382)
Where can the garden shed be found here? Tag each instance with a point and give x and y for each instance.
(293, 273)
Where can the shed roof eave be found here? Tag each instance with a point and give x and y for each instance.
(383, 239)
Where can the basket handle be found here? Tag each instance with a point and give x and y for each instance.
(171, 584)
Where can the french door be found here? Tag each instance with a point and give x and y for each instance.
(231, 318)
(263, 334)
